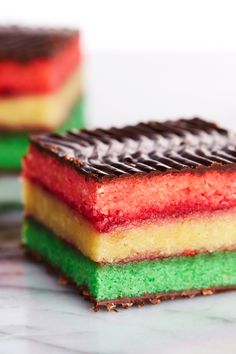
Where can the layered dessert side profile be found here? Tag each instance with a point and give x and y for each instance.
(138, 214)
(40, 87)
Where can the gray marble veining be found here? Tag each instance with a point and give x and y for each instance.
(39, 316)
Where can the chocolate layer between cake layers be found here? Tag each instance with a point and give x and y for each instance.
(135, 282)
(146, 191)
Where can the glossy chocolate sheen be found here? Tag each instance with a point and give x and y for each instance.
(24, 44)
(145, 148)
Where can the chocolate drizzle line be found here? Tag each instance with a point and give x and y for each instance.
(24, 44)
(145, 148)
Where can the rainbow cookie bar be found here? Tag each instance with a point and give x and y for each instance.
(136, 214)
(40, 87)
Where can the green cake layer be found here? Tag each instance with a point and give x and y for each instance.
(14, 145)
(132, 279)
(12, 148)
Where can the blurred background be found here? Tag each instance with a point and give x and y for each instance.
(147, 59)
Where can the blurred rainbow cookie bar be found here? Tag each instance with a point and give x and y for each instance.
(40, 87)
(137, 214)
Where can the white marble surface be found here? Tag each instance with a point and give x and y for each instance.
(38, 316)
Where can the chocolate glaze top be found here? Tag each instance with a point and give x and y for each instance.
(145, 148)
(24, 43)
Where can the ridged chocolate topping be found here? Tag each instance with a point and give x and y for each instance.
(24, 44)
(145, 148)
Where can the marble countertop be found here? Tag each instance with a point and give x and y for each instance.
(37, 315)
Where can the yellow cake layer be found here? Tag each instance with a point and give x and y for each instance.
(41, 110)
(201, 233)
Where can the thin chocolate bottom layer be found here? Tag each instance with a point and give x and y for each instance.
(136, 281)
(125, 302)
(11, 173)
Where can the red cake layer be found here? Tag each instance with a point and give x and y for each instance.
(108, 203)
(39, 75)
